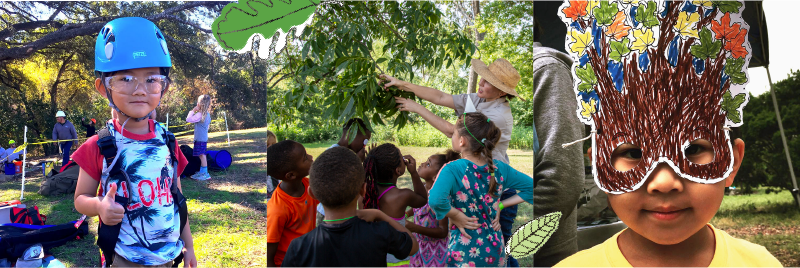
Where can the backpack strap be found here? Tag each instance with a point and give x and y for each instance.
(107, 235)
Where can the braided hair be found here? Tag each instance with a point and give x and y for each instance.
(379, 166)
(481, 136)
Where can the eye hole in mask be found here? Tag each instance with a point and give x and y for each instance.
(626, 157)
(699, 151)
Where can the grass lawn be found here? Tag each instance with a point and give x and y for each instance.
(521, 160)
(227, 214)
(771, 220)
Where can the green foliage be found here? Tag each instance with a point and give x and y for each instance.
(733, 68)
(619, 49)
(605, 13)
(708, 47)
(764, 162)
(646, 14)
(727, 6)
(506, 25)
(425, 135)
(237, 21)
(340, 60)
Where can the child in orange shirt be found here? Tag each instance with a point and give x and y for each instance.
(290, 211)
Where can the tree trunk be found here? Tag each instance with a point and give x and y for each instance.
(473, 77)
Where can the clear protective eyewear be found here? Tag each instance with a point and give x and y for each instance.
(127, 84)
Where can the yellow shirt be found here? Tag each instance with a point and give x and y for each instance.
(730, 252)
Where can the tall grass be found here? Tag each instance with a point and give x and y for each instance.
(420, 134)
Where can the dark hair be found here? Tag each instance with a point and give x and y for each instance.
(481, 130)
(448, 156)
(281, 158)
(336, 177)
(379, 166)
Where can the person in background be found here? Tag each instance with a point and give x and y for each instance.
(9, 153)
(90, 128)
(64, 132)
(201, 118)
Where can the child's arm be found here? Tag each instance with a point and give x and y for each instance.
(88, 203)
(462, 221)
(511, 201)
(189, 259)
(370, 215)
(272, 249)
(193, 117)
(419, 197)
(409, 212)
(516, 180)
(438, 232)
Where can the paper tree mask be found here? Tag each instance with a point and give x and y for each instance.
(658, 82)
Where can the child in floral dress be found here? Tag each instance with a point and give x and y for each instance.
(431, 234)
(467, 191)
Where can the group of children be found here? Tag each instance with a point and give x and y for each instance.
(453, 220)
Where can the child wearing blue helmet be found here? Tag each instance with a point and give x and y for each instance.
(143, 222)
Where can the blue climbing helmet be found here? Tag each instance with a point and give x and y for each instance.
(130, 43)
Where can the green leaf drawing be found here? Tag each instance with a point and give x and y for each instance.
(587, 77)
(531, 237)
(238, 22)
(708, 48)
(619, 49)
(731, 106)
(727, 6)
(647, 15)
(605, 13)
(733, 68)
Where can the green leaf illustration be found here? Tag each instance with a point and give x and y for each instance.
(531, 237)
(605, 13)
(647, 14)
(238, 22)
(728, 6)
(619, 49)
(733, 68)
(731, 105)
(708, 48)
(586, 74)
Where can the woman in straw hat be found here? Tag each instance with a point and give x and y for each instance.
(496, 89)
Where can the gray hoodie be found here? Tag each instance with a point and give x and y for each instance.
(64, 131)
(557, 172)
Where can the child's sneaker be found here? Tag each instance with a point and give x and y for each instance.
(204, 176)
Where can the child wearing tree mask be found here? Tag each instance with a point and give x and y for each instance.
(660, 118)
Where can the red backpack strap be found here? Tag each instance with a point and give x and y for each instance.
(36, 218)
(20, 215)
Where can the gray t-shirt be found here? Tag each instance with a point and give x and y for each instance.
(499, 112)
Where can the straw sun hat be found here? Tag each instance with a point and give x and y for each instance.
(501, 74)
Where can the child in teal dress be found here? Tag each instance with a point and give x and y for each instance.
(468, 190)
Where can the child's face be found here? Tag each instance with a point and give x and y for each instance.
(428, 169)
(303, 162)
(668, 209)
(138, 102)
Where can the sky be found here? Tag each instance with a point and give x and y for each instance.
(782, 47)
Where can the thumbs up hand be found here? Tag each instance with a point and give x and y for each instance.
(110, 212)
